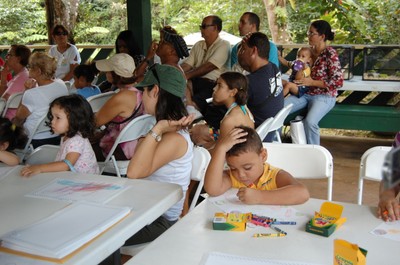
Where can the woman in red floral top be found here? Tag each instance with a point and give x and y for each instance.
(326, 77)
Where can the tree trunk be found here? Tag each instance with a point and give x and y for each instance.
(278, 34)
(61, 12)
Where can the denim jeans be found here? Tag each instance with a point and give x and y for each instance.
(317, 107)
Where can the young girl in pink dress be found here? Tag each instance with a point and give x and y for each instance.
(72, 118)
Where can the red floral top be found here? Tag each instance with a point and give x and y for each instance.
(327, 68)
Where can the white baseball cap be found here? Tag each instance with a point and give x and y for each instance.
(121, 63)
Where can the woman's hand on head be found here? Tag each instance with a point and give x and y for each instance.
(164, 126)
(28, 171)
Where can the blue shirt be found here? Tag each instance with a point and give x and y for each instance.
(273, 54)
(88, 91)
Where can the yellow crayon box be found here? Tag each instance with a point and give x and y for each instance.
(327, 220)
(231, 221)
(347, 253)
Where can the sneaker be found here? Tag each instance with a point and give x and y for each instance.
(192, 110)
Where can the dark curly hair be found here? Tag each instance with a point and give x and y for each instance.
(14, 135)
(79, 113)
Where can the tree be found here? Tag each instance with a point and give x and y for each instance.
(63, 12)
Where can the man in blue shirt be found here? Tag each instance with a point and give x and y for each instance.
(250, 23)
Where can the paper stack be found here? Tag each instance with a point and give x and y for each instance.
(65, 231)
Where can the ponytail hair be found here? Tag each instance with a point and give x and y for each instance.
(323, 27)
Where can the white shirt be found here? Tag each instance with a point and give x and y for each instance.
(37, 101)
(64, 60)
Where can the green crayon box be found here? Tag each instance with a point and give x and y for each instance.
(231, 221)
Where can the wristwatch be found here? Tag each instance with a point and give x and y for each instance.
(156, 136)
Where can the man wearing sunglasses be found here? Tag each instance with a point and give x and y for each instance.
(207, 60)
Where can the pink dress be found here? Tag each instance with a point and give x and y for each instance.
(117, 124)
(16, 85)
(86, 162)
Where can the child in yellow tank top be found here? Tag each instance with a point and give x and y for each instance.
(258, 182)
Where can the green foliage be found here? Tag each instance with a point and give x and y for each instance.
(22, 22)
(100, 21)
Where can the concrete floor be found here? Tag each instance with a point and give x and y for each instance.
(347, 152)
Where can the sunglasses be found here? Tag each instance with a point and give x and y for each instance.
(204, 26)
(61, 33)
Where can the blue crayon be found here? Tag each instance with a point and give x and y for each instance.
(283, 223)
(278, 230)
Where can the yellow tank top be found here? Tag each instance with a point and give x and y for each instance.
(266, 182)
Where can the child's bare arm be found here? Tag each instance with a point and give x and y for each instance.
(217, 180)
(289, 192)
(9, 158)
(57, 166)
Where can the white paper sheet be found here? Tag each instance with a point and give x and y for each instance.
(389, 230)
(78, 190)
(217, 258)
(65, 231)
(228, 202)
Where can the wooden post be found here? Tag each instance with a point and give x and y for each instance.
(139, 21)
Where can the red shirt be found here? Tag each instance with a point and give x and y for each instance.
(9, 76)
(327, 68)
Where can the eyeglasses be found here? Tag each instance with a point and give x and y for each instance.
(61, 33)
(310, 34)
(204, 26)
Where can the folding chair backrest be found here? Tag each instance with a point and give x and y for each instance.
(40, 127)
(42, 155)
(13, 102)
(3, 104)
(97, 101)
(280, 118)
(201, 159)
(371, 166)
(302, 161)
(136, 128)
(263, 129)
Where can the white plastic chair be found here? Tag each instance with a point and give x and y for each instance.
(42, 155)
(136, 128)
(97, 101)
(40, 127)
(263, 129)
(201, 159)
(371, 166)
(278, 121)
(303, 161)
(3, 104)
(13, 102)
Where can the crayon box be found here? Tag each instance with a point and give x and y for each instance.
(347, 253)
(231, 221)
(327, 220)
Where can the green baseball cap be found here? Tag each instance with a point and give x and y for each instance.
(166, 77)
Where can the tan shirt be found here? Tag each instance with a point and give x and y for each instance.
(218, 54)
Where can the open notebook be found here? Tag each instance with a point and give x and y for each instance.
(65, 231)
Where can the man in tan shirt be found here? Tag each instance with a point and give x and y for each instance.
(207, 60)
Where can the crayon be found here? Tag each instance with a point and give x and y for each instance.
(283, 223)
(269, 235)
(278, 230)
(386, 212)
